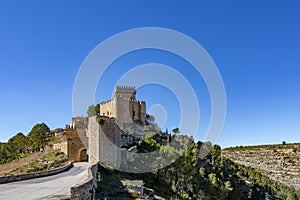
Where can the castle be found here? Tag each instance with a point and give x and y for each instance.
(124, 107)
(123, 123)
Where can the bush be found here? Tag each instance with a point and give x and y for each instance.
(101, 120)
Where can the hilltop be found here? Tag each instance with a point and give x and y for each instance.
(281, 162)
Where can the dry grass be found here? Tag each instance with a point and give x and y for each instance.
(6, 168)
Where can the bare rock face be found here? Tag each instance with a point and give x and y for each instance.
(281, 162)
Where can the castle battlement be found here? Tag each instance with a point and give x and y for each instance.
(108, 101)
(124, 106)
(124, 88)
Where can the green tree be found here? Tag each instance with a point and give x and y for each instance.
(18, 143)
(149, 144)
(202, 172)
(291, 196)
(150, 139)
(228, 186)
(91, 111)
(213, 179)
(97, 109)
(4, 154)
(168, 153)
(38, 136)
(176, 130)
(216, 154)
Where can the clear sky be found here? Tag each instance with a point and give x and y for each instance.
(255, 44)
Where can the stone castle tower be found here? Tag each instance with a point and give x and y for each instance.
(124, 107)
(123, 123)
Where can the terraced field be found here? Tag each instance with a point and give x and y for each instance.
(281, 162)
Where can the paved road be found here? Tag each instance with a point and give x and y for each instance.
(51, 187)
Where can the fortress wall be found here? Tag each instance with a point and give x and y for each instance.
(115, 110)
(143, 111)
(110, 140)
(94, 140)
(104, 142)
(75, 145)
(63, 146)
(106, 108)
(83, 135)
(137, 110)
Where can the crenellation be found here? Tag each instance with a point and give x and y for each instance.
(124, 106)
(108, 101)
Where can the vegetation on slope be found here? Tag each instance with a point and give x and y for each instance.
(14, 153)
(49, 161)
(205, 176)
(111, 186)
(20, 145)
(193, 176)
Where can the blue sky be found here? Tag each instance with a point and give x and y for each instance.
(255, 44)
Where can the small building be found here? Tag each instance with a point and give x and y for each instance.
(78, 122)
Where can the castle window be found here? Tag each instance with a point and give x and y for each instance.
(107, 113)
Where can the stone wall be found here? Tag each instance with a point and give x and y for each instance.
(126, 92)
(129, 111)
(106, 108)
(21, 177)
(87, 190)
(62, 146)
(104, 142)
(78, 122)
(94, 140)
(74, 143)
(110, 143)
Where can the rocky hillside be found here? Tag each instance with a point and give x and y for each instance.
(8, 167)
(192, 175)
(280, 163)
(36, 162)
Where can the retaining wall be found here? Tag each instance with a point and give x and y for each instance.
(87, 190)
(21, 177)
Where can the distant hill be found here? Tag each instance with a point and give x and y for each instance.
(280, 162)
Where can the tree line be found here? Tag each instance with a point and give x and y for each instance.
(21, 145)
